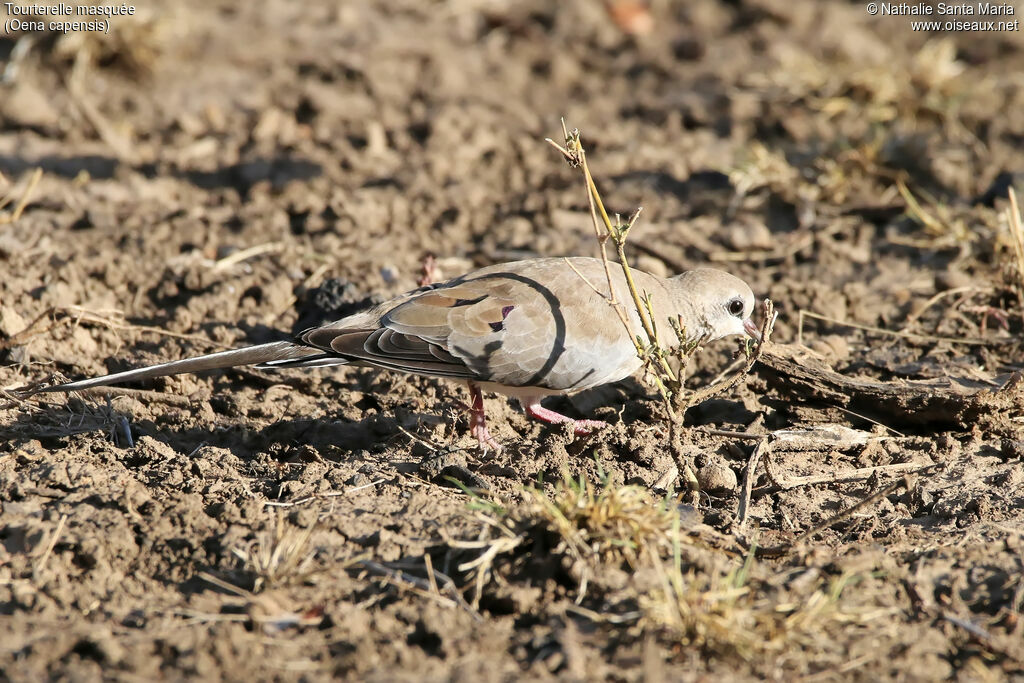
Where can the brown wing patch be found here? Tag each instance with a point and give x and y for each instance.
(470, 308)
(450, 332)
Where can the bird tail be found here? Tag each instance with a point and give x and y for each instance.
(273, 354)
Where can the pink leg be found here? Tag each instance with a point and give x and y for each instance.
(477, 421)
(581, 427)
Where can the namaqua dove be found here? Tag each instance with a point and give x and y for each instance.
(527, 329)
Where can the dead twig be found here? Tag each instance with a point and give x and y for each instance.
(860, 474)
(120, 144)
(796, 243)
(423, 587)
(575, 154)
(748, 482)
(753, 354)
(75, 315)
(913, 317)
(895, 333)
(872, 421)
(903, 482)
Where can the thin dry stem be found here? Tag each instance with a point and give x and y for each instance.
(248, 253)
(23, 201)
(75, 315)
(51, 544)
(654, 354)
(902, 482)
(577, 157)
(1017, 233)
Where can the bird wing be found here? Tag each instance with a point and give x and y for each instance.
(536, 324)
(422, 332)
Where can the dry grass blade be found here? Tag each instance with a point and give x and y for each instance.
(68, 419)
(748, 482)
(51, 543)
(732, 612)
(448, 596)
(279, 554)
(893, 333)
(321, 496)
(1017, 237)
(78, 89)
(23, 201)
(604, 521)
(55, 317)
(932, 224)
(902, 482)
(684, 594)
(940, 224)
(699, 609)
(593, 524)
(248, 253)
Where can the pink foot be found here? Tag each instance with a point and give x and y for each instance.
(580, 427)
(477, 421)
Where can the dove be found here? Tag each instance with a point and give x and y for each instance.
(527, 329)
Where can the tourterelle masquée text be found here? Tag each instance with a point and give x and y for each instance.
(37, 17)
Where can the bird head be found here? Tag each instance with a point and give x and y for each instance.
(722, 303)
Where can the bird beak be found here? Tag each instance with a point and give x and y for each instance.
(751, 329)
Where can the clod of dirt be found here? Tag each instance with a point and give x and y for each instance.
(717, 477)
(332, 300)
(11, 323)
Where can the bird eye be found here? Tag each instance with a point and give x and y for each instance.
(735, 307)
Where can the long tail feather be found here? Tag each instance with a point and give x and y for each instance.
(263, 353)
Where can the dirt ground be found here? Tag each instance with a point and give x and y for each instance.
(215, 172)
